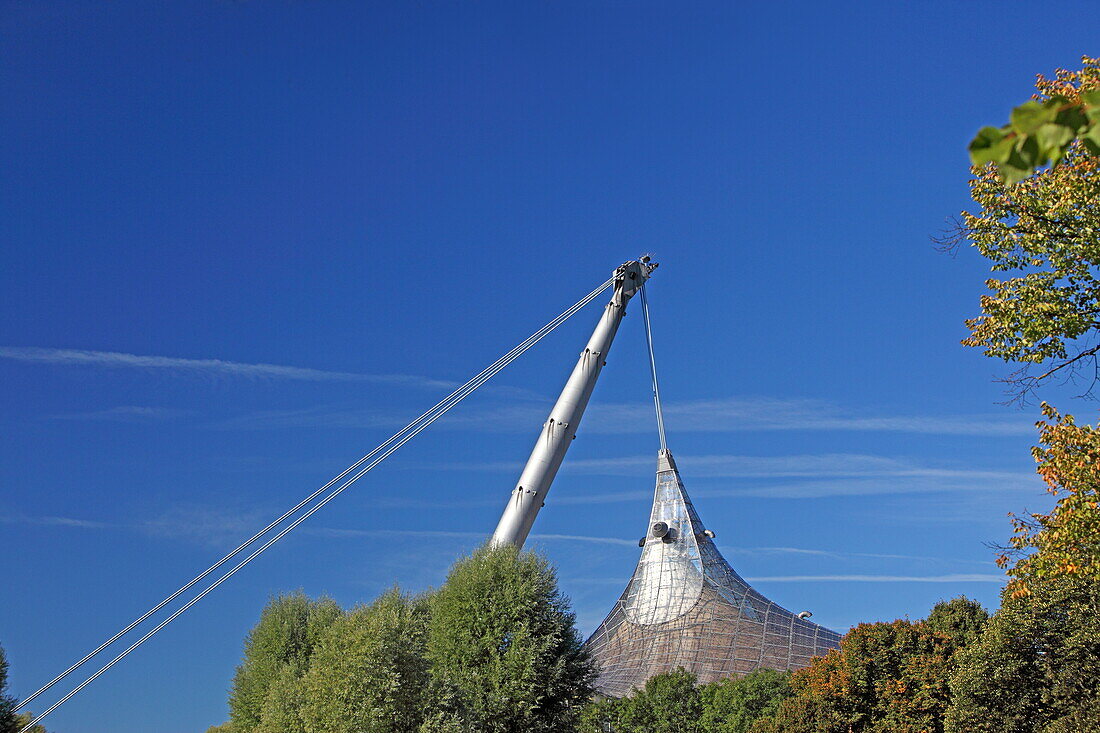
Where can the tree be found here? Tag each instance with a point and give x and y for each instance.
(599, 715)
(7, 702)
(961, 619)
(369, 674)
(1065, 541)
(1035, 667)
(10, 722)
(1044, 129)
(503, 649)
(668, 703)
(886, 677)
(23, 719)
(1045, 234)
(733, 704)
(278, 648)
(282, 707)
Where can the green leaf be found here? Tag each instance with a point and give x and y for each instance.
(1011, 174)
(1053, 139)
(1091, 98)
(1026, 154)
(990, 144)
(1071, 115)
(1027, 118)
(1090, 138)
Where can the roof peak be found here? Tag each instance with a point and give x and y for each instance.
(665, 461)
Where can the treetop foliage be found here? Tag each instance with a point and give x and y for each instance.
(733, 704)
(1042, 130)
(494, 649)
(884, 677)
(1045, 233)
(505, 654)
(7, 703)
(1066, 540)
(278, 648)
(368, 674)
(1034, 668)
(10, 722)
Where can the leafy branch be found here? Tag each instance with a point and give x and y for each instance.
(1038, 133)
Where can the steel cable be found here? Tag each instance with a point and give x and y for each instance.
(385, 449)
(653, 371)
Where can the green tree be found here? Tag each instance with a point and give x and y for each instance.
(1035, 668)
(1045, 129)
(7, 703)
(598, 715)
(282, 708)
(369, 673)
(668, 703)
(885, 678)
(504, 652)
(1065, 541)
(961, 619)
(278, 647)
(733, 704)
(10, 722)
(1042, 238)
(22, 719)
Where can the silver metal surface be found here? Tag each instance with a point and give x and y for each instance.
(686, 607)
(560, 428)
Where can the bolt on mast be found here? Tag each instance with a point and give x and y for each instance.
(560, 428)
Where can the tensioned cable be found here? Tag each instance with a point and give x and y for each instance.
(653, 371)
(385, 448)
(522, 346)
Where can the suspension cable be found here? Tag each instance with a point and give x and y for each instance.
(382, 452)
(653, 371)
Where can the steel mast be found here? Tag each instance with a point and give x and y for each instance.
(560, 428)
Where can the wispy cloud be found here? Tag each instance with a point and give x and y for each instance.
(821, 489)
(216, 527)
(123, 413)
(719, 415)
(334, 532)
(763, 413)
(211, 367)
(203, 525)
(838, 555)
(224, 528)
(791, 477)
(741, 466)
(950, 578)
(51, 521)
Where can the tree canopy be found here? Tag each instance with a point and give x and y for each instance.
(504, 652)
(7, 702)
(276, 653)
(668, 703)
(732, 705)
(368, 674)
(495, 649)
(885, 678)
(1066, 540)
(1042, 238)
(1036, 665)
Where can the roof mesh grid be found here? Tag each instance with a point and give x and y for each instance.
(686, 607)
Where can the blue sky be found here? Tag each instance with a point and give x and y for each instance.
(241, 242)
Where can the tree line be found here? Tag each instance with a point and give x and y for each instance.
(494, 649)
